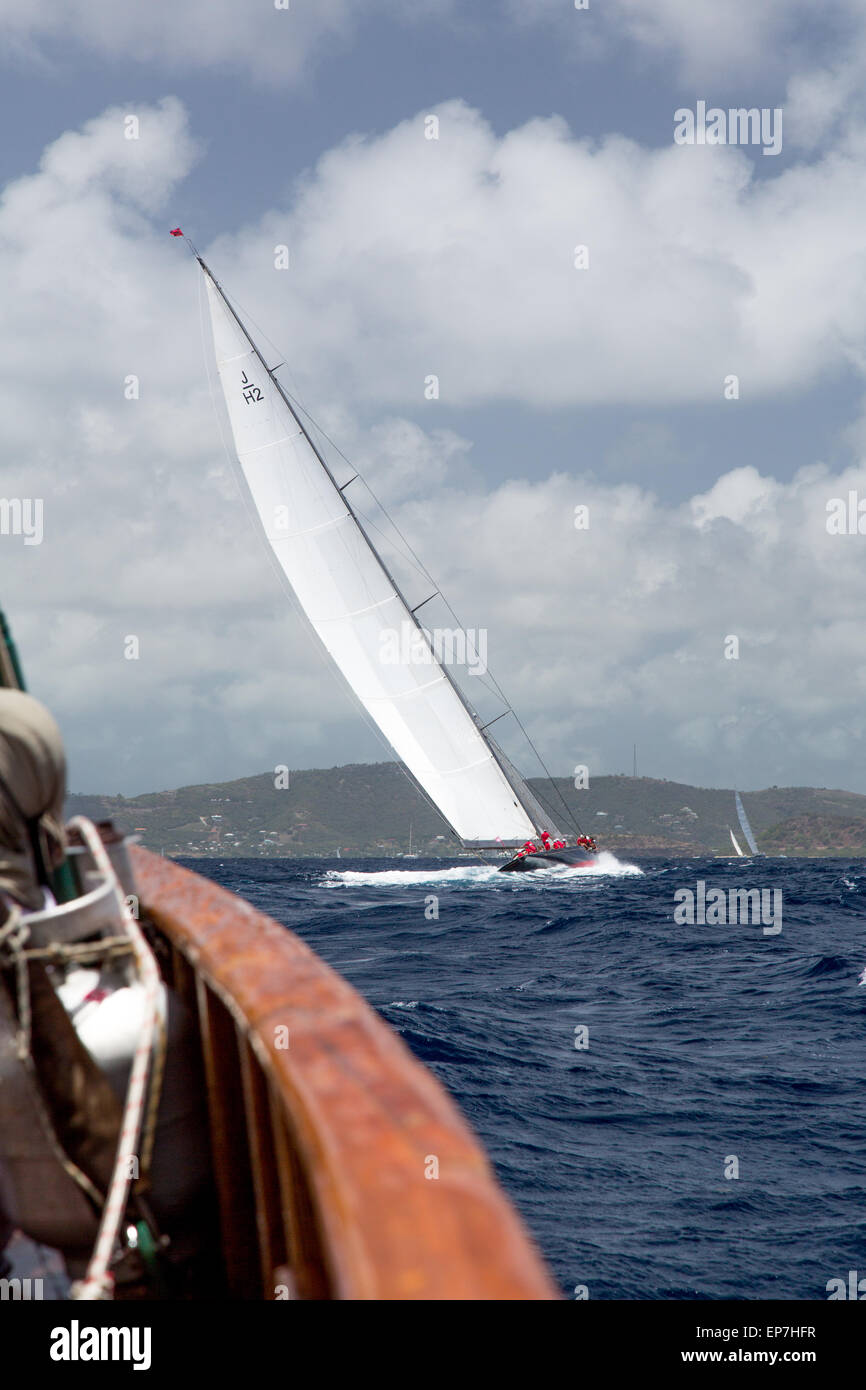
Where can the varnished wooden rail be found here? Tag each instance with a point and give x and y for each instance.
(322, 1148)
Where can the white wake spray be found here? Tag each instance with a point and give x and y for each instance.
(606, 866)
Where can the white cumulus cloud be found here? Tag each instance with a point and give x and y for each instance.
(590, 631)
(272, 41)
(456, 257)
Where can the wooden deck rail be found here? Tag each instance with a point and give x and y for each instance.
(321, 1149)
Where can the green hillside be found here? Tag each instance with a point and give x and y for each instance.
(645, 813)
(367, 809)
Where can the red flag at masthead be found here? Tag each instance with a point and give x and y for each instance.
(175, 231)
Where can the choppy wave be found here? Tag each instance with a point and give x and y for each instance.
(611, 1059)
(606, 866)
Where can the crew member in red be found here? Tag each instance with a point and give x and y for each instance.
(530, 847)
(559, 844)
(545, 840)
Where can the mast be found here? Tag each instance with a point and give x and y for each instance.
(523, 796)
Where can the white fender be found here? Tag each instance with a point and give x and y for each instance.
(108, 1015)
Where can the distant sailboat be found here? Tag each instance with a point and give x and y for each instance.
(354, 604)
(738, 853)
(744, 825)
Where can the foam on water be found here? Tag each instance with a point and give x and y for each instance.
(695, 1033)
(606, 866)
(468, 873)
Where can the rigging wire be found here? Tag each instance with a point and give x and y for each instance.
(494, 684)
(315, 643)
(415, 559)
(408, 553)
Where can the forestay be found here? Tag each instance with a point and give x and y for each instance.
(352, 602)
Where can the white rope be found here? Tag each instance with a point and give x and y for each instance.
(14, 935)
(97, 1282)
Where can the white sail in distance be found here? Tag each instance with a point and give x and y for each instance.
(744, 824)
(735, 843)
(353, 604)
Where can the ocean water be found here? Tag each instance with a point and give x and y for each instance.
(711, 1049)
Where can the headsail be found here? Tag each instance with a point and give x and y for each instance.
(744, 824)
(735, 843)
(354, 605)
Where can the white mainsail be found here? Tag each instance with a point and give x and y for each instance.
(744, 824)
(734, 842)
(354, 605)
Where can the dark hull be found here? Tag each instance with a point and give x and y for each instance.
(573, 858)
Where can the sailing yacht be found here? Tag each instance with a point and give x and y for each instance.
(737, 854)
(354, 604)
(746, 828)
(744, 825)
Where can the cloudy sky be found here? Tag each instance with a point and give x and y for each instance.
(604, 385)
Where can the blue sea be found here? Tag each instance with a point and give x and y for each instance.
(702, 1135)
